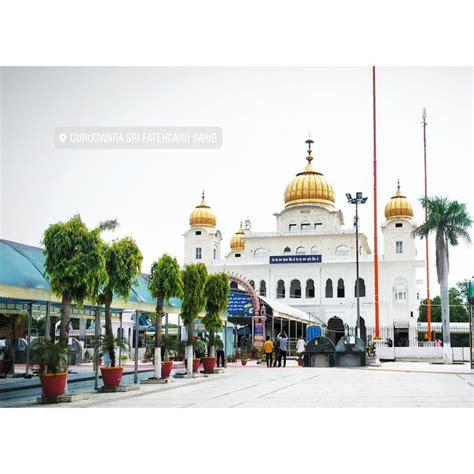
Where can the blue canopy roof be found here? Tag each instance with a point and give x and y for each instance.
(23, 266)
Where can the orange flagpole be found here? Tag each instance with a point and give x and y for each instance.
(376, 244)
(428, 301)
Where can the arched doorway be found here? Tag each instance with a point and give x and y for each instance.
(335, 329)
(236, 281)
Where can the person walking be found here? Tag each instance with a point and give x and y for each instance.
(268, 348)
(220, 351)
(283, 348)
(276, 346)
(300, 347)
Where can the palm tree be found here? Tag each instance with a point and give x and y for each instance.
(449, 220)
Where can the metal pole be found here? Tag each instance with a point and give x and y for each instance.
(253, 323)
(357, 271)
(96, 348)
(289, 336)
(166, 333)
(376, 244)
(48, 321)
(28, 339)
(225, 343)
(137, 327)
(121, 335)
(273, 327)
(427, 256)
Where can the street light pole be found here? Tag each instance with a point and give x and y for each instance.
(357, 268)
(357, 200)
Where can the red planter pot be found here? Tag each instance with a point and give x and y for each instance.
(209, 363)
(111, 376)
(53, 385)
(300, 362)
(196, 364)
(243, 361)
(166, 367)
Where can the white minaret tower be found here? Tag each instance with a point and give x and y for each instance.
(202, 241)
(398, 242)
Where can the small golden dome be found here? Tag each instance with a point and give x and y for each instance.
(309, 186)
(202, 216)
(238, 240)
(398, 206)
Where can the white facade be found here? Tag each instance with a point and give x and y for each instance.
(316, 228)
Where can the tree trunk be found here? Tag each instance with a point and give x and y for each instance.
(108, 327)
(190, 350)
(444, 294)
(158, 325)
(212, 347)
(65, 317)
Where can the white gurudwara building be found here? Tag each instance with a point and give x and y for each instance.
(309, 260)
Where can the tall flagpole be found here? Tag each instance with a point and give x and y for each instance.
(376, 244)
(428, 301)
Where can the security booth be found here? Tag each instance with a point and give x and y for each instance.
(319, 352)
(351, 352)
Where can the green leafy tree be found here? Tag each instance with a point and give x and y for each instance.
(450, 221)
(217, 297)
(123, 261)
(194, 284)
(165, 282)
(457, 309)
(463, 287)
(74, 264)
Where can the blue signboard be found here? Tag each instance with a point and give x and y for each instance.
(295, 259)
(239, 304)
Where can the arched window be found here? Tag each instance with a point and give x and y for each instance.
(263, 288)
(310, 288)
(400, 290)
(329, 292)
(300, 251)
(252, 284)
(260, 252)
(341, 292)
(314, 250)
(280, 289)
(295, 289)
(361, 288)
(233, 285)
(286, 251)
(342, 251)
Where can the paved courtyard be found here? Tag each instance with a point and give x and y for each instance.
(393, 385)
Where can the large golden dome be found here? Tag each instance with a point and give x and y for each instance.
(202, 216)
(237, 242)
(398, 206)
(309, 186)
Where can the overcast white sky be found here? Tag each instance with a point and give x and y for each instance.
(266, 115)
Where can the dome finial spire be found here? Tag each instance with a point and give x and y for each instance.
(309, 143)
(203, 195)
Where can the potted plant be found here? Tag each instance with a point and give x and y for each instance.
(168, 345)
(53, 361)
(244, 357)
(194, 277)
(199, 349)
(165, 282)
(112, 375)
(217, 297)
(6, 361)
